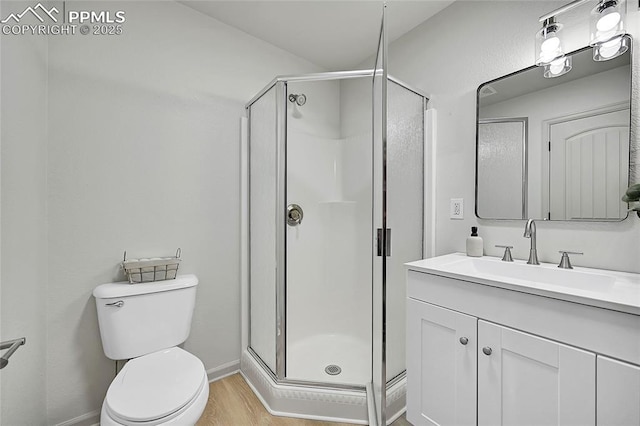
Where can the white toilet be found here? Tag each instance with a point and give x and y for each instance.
(161, 384)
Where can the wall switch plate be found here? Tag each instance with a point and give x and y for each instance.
(456, 210)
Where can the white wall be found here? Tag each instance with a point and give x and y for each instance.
(142, 155)
(23, 138)
(425, 58)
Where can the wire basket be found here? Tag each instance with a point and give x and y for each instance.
(150, 270)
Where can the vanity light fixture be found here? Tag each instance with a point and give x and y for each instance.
(608, 30)
(548, 43)
(607, 25)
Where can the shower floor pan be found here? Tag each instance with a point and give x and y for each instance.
(314, 358)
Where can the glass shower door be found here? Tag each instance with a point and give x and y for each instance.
(263, 185)
(382, 241)
(328, 222)
(405, 213)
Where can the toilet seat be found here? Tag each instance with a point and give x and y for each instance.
(155, 388)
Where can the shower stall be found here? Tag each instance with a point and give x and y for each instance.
(315, 174)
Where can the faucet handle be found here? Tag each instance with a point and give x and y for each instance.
(507, 253)
(565, 262)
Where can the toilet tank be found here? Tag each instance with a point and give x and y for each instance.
(137, 319)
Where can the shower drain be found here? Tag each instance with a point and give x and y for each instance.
(333, 370)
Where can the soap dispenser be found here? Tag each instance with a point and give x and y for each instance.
(474, 243)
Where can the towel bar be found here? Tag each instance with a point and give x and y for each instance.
(13, 346)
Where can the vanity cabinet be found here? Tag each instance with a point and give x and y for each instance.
(527, 380)
(519, 378)
(483, 355)
(442, 345)
(618, 392)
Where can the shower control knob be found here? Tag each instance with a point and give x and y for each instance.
(464, 340)
(294, 215)
(487, 350)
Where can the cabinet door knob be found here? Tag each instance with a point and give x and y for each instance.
(464, 340)
(487, 350)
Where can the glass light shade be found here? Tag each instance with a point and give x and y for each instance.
(549, 43)
(607, 21)
(558, 67)
(610, 49)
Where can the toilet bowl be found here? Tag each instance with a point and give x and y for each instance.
(161, 383)
(166, 387)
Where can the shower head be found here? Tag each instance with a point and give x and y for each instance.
(300, 99)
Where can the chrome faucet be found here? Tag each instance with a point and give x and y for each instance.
(530, 232)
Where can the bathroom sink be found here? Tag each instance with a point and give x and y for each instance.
(548, 274)
(595, 287)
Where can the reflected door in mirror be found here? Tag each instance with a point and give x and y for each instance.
(501, 182)
(588, 165)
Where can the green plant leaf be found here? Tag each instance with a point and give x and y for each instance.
(633, 193)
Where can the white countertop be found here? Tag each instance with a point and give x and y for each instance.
(619, 291)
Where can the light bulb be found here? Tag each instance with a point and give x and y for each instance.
(557, 66)
(608, 22)
(610, 48)
(550, 49)
(551, 43)
(548, 42)
(546, 58)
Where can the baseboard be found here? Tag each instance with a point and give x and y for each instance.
(223, 371)
(396, 400)
(88, 419)
(345, 406)
(397, 415)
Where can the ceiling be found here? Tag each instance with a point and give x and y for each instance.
(334, 34)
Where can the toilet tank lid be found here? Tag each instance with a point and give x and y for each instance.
(122, 289)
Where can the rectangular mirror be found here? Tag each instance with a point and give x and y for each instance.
(555, 148)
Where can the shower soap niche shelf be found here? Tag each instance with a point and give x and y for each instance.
(149, 270)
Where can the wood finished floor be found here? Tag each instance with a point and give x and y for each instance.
(233, 403)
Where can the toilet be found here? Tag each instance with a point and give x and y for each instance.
(162, 383)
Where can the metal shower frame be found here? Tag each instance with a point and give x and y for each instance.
(280, 85)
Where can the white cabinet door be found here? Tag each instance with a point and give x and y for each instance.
(618, 393)
(527, 380)
(441, 366)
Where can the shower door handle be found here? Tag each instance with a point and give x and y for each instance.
(379, 242)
